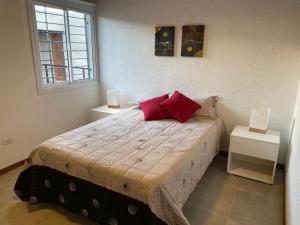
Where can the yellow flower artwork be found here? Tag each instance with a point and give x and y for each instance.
(192, 41)
(164, 41)
(189, 49)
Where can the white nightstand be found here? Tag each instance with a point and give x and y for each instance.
(103, 111)
(253, 155)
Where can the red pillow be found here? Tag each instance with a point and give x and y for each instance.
(180, 106)
(152, 110)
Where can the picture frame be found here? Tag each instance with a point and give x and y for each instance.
(192, 40)
(164, 40)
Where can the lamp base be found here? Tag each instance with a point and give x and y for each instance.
(114, 106)
(251, 129)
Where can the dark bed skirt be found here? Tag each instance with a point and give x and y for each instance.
(40, 184)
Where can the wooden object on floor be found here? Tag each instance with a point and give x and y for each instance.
(11, 167)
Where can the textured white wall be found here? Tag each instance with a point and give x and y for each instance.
(26, 117)
(292, 171)
(251, 56)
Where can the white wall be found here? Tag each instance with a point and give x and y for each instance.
(292, 171)
(251, 56)
(25, 116)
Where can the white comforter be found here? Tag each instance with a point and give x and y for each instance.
(157, 162)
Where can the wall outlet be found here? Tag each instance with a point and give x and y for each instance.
(7, 141)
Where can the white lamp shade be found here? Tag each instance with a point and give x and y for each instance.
(259, 118)
(113, 98)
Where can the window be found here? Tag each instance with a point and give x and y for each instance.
(64, 45)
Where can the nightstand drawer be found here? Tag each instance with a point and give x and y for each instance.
(263, 150)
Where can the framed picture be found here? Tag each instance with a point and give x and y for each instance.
(192, 41)
(164, 41)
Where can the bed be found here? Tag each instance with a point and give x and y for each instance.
(121, 170)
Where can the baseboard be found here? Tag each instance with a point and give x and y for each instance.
(11, 167)
(222, 153)
(284, 200)
(278, 165)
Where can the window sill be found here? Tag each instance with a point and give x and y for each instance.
(56, 88)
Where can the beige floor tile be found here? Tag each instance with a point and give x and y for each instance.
(259, 210)
(212, 196)
(239, 221)
(262, 189)
(197, 216)
(216, 174)
(9, 178)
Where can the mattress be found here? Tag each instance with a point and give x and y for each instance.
(157, 162)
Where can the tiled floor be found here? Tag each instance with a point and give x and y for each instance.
(222, 199)
(219, 199)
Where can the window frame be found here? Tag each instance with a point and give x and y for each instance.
(83, 7)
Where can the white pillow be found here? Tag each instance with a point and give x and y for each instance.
(135, 102)
(208, 106)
